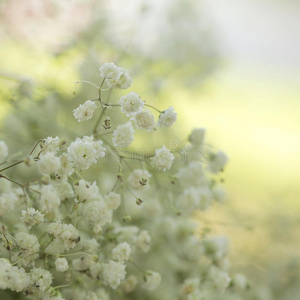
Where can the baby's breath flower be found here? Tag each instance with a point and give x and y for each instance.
(113, 273)
(123, 135)
(49, 199)
(3, 151)
(167, 117)
(7, 202)
(32, 217)
(40, 278)
(112, 200)
(129, 284)
(66, 168)
(115, 76)
(50, 144)
(151, 280)
(85, 152)
(217, 162)
(61, 264)
(87, 191)
(144, 120)
(66, 234)
(131, 104)
(96, 212)
(48, 163)
(143, 241)
(139, 179)
(220, 278)
(85, 111)
(163, 159)
(121, 253)
(189, 288)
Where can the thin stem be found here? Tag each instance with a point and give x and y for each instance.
(14, 164)
(153, 108)
(35, 146)
(86, 81)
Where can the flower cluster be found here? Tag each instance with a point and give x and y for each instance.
(122, 229)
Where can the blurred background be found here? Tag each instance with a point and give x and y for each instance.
(232, 67)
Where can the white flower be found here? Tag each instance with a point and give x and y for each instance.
(66, 234)
(87, 191)
(143, 241)
(64, 189)
(216, 247)
(41, 278)
(85, 111)
(217, 162)
(151, 280)
(192, 175)
(115, 76)
(189, 199)
(167, 117)
(196, 138)
(50, 144)
(3, 151)
(112, 200)
(123, 135)
(11, 277)
(129, 284)
(131, 104)
(49, 198)
(85, 152)
(82, 263)
(32, 217)
(190, 287)
(48, 164)
(139, 179)
(144, 120)
(220, 278)
(61, 264)
(163, 159)
(66, 168)
(121, 253)
(113, 273)
(7, 202)
(96, 212)
(29, 245)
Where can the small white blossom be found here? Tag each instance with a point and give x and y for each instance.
(66, 234)
(112, 200)
(96, 212)
(32, 217)
(123, 135)
(49, 198)
(113, 273)
(217, 162)
(121, 253)
(163, 159)
(143, 241)
(29, 245)
(151, 280)
(41, 278)
(50, 144)
(3, 151)
(167, 117)
(85, 111)
(48, 163)
(129, 284)
(61, 264)
(87, 191)
(190, 288)
(131, 104)
(115, 76)
(7, 202)
(85, 152)
(144, 120)
(64, 189)
(11, 277)
(192, 175)
(66, 168)
(220, 278)
(139, 179)
(196, 138)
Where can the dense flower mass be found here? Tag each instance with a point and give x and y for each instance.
(121, 228)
